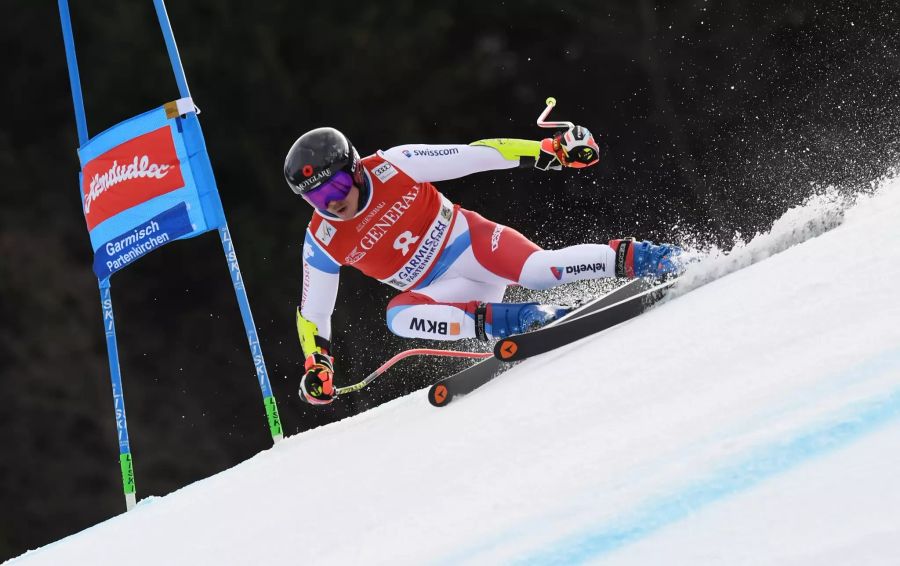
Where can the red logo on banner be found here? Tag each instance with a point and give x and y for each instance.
(129, 174)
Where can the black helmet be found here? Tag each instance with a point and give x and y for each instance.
(316, 156)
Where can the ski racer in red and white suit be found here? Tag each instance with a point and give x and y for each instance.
(451, 265)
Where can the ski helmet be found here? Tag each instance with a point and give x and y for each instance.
(316, 156)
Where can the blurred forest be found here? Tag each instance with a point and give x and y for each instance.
(714, 117)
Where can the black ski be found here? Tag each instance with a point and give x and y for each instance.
(523, 346)
(473, 377)
(466, 381)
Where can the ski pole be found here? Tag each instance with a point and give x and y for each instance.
(405, 354)
(542, 119)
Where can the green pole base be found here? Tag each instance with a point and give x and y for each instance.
(127, 467)
(274, 418)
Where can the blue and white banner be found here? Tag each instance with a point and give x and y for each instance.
(147, 182)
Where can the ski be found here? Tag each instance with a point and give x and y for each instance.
(466, 381)
(473, 377)
(523, 346)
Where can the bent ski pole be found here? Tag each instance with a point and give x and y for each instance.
(542, 119)
(405, 354)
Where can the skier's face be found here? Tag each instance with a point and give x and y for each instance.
(346, 208)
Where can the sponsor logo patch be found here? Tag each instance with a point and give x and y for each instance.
(508, 349)
(434, 327)
(390, 217)
(354, 256)
(129, 174)
(495, 240)
(314, 179)
(435, 152)
(424, 254)
(558, 272)
(128, 247)
(622, 258)
(369, 216)
(325, 232)
(384, 172)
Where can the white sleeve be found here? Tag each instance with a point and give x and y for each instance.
(320, 286)
(432, 163)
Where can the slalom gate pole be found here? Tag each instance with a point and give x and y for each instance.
(125, 461)
(405, 354)
(262, 374)
(259, 363)
(74, 76)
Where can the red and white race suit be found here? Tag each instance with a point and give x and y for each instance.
(444, 258)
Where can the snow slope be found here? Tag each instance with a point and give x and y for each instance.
(752, 420)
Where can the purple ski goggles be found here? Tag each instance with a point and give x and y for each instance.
(335, 188)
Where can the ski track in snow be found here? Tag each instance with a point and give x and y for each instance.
(756, 466)
(820, 214)
(714, 429)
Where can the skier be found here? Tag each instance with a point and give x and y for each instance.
(382, 215)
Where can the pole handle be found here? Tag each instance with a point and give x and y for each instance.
(542, 119)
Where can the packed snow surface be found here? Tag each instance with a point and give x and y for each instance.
(752, 418)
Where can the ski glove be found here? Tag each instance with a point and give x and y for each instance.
(574, 147)
(317, 385)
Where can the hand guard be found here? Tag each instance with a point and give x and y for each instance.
(317, 385)
(574, 147)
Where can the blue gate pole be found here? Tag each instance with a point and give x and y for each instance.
(230, 255)
(74, 77)
(259, 363)
(125, 460)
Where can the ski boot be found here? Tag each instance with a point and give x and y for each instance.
(504, 319)
(645, 259)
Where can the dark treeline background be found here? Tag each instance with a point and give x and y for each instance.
(714, 117)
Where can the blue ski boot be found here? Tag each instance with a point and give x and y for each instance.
(645, 259)
(504, 319)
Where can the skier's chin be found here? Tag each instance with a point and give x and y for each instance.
(343, 211)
